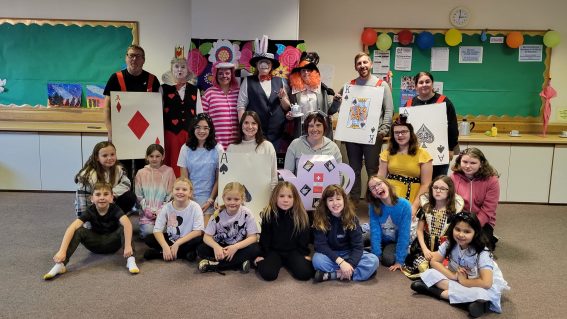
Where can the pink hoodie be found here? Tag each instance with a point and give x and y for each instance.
(484, 193)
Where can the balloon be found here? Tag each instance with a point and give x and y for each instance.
(425, 40)
(483, 36)
(551, 39)
(453, 37)
(405, 36)
(514, 39)
(368, 36)
(384, 42)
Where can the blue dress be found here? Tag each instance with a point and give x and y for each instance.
(473, 262)
(202, 165)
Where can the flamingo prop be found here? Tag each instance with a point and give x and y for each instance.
(547, 93)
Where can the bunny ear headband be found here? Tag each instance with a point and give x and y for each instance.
(261, 53)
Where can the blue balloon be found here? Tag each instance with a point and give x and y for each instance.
(425, 40)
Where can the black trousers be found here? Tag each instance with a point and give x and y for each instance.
(249, 252)
(299, 267)
(371, 155)
(183, 249)
(108, 243)
(126, 201)
(488, 231)
(439, 170)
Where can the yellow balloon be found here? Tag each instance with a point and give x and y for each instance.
(384, 42)
(453, 37)
(551, 39)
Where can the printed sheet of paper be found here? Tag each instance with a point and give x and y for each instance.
(430, 125)
(251, 170)
(359, 114)
(530, 53)
(137, 122)
(440, 59)
(314, 173)
(381, 63)
(470, 54)
(403, 59)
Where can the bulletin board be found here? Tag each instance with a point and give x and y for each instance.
(499, 86)
(36, 52)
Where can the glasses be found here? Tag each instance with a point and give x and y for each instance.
(202, 128)
(400, 133)
(440, 189)
(374, 188)
(134, 56)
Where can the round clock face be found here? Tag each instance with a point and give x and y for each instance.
(460, 16)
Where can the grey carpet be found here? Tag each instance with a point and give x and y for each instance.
(531, 254)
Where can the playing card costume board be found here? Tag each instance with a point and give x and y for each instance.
(430, 125)
(359, 115)
(314, 173)
(137, 122)
(251, 170)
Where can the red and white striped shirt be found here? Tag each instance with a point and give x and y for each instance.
(222, 110)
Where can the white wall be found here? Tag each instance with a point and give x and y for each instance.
(162, 24)
(245, 19)
(334, 32)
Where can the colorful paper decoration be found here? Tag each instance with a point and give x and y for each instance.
(551, 39)
(368, 36)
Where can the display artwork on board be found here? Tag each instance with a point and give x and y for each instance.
(137, 121)
(359, 114)
(314, 173)
(205, 52)
(64, 94)
(430, 125)
(94, 95)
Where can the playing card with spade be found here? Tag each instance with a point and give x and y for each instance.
(137, 122)
(359, 115)
(430, 125)
(251, 170)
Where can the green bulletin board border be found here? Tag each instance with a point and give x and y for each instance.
(34, 52)
(500, 87)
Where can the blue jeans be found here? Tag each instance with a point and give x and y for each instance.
(366, 266)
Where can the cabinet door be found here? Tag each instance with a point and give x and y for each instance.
(498, 155)
(558, 187)
(60, 160)
(530, 173)
(20, 161)
(88, 143)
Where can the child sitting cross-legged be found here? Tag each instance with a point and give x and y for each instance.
(110, 230)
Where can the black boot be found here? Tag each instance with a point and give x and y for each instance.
(421, 288)
(478, 308)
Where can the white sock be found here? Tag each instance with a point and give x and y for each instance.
(59, 268)
(131, 264)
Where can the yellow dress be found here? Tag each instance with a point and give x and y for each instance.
(405, 166)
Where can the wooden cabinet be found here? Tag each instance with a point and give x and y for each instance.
(60, 158)
(529, 175)
(20, 161)
(558, 186)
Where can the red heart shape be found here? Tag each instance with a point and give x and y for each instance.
(194, 97)
(175, 121)
(171, 95)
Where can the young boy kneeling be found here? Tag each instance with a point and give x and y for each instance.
(106, 235)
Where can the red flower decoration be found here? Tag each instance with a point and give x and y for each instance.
(196, 62)
(290, 57)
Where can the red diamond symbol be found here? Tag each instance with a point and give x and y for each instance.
(138, 124)
(318, 177)
(118, 107)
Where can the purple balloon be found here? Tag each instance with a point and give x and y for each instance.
(425, 40)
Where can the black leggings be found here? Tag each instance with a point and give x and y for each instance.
(299, 267)
(126, 201)
(249, 252)
(183, 249)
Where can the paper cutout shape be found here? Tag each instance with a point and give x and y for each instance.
(323, 171)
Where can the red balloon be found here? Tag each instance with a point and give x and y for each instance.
(404, 37)
(369, 36)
